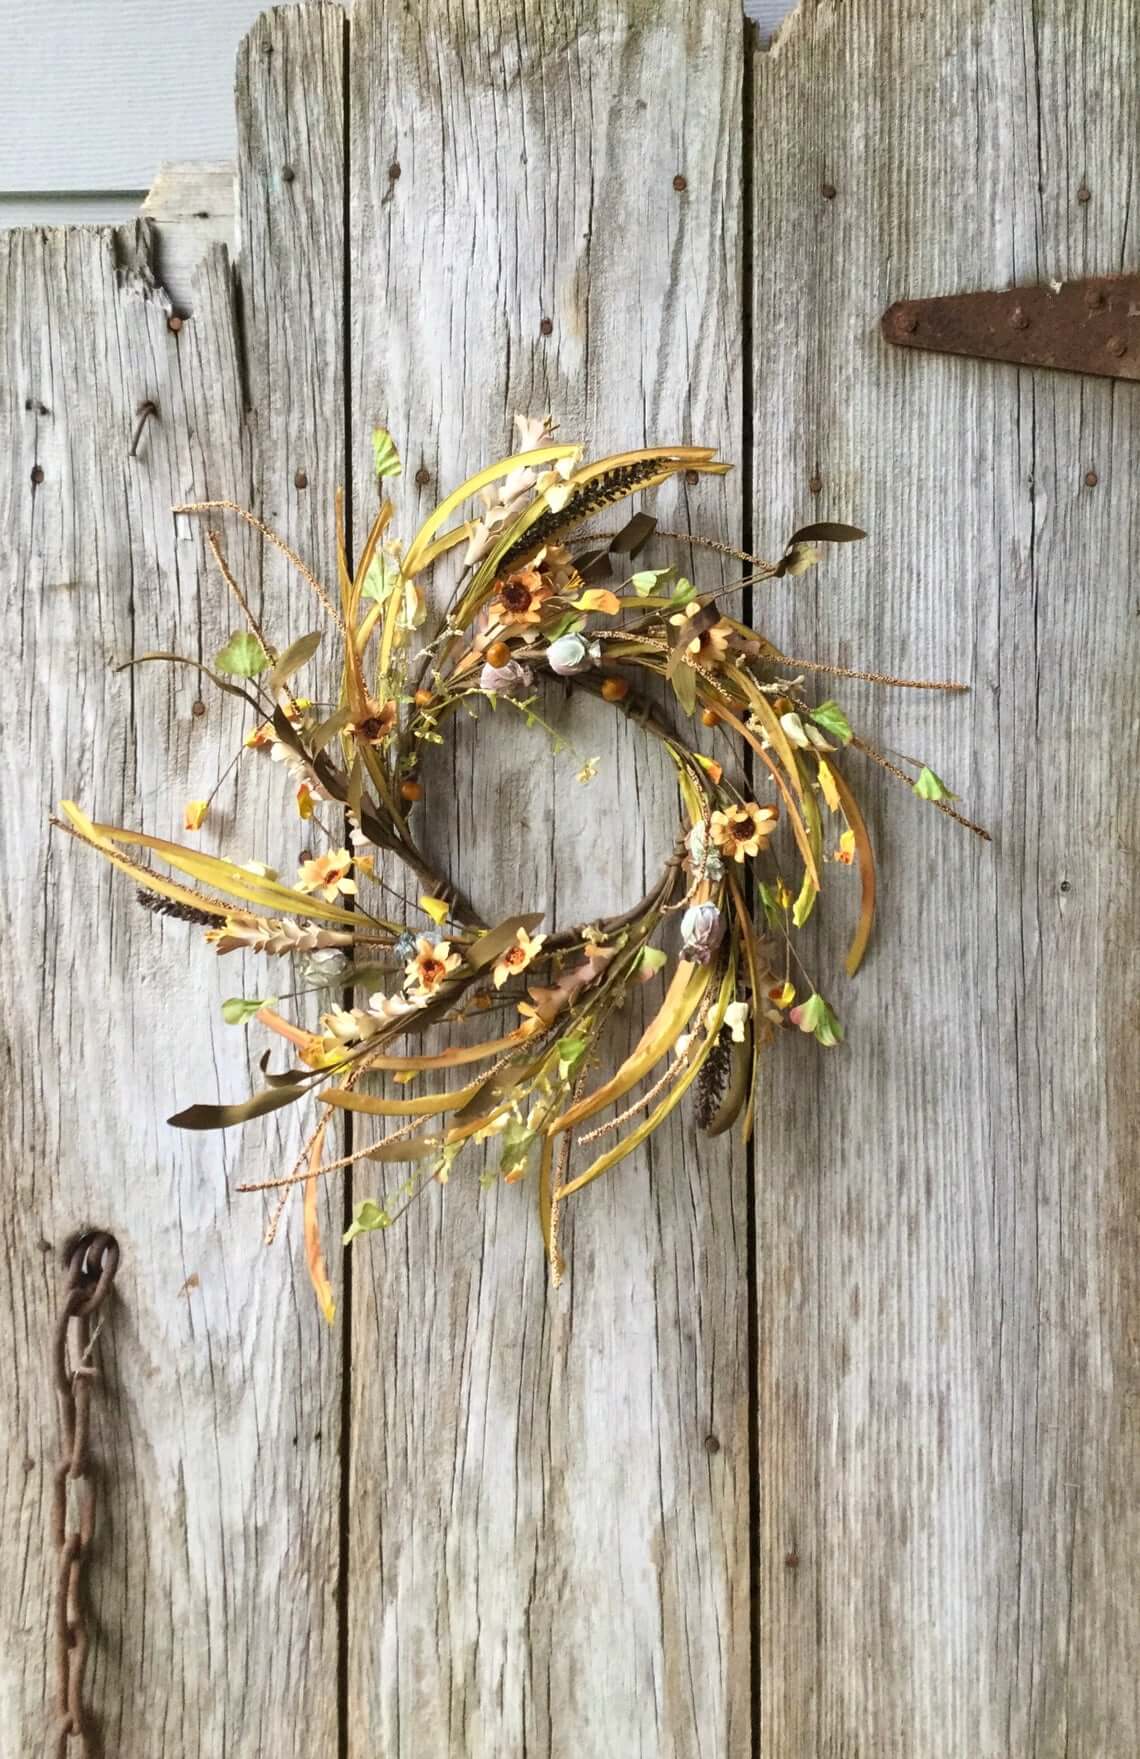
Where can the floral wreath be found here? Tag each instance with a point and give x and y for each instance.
(527, 605)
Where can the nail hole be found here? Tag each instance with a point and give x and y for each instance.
(680, 182)
(287, 174)
(1084, 194)
(692, 477)
(423, 477)
(1091, 479)
(827, 191)
(300, 480)
(815, 484)
(712, 1444)
(546, 328)
(1066, 885)
(37, 473)
(197, 709)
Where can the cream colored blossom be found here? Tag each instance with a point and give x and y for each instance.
(521, 952)
(328, 875)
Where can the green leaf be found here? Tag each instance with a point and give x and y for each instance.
(385, 458)
(684, 590)
(683, 678)
(816, 1017)
(649, 962)
(367, 1218)
(772, 909)
(805, 903)
(296, 655)
(931, 787)
(237, 1010)
(644, 582)
(566, 625)
(243, 656)
(831, 718)
(380, 578)
(571, 1050)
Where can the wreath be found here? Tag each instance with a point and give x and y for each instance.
(536, 598)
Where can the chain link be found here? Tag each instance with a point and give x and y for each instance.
(89, 1269)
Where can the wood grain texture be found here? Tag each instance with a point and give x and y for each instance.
(191, 208)
(946, 1220)
(546, 1554)
(217, 1488)
(215, 1579)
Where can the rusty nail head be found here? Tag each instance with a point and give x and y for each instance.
(546, 328)
(423, 477)
(692, 477)
(1084, 194)
(680, 182)
(1091, 479)
(300, 480)
(1115, 345)
(792, 1559)
(712, 1445)
(815, 484)
(1018, 318)
(287, 174)
(198, 709)
(394, 170)
(37, 473)
(827, 191)
(174, 323)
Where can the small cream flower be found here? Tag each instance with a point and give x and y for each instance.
(328, 875)
(736, 1019)
(522, 950)
(430, 966)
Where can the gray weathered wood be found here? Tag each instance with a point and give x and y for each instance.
(546, 1555)
(192, 207)
(211, 1348)
(215, 1577)
(946, 1213)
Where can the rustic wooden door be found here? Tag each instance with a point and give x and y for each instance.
(829, 1451)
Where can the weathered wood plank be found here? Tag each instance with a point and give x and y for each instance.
(197, 1521)
(221, 1432)
(947, 1222)
(546, 1553)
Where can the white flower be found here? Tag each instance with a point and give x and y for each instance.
(736, 1019)
(389, 1008)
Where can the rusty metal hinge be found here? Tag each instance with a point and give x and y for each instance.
(1073, 326)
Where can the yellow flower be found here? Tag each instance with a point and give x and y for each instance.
(518, 956)
(430, 966)
(305, 800)
(846, 849)
(742, 829)
(328, 875)
(709, 645)
(195, 814)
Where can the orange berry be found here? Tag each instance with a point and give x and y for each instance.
(423, 698)
(498, 653)
(710, 718)
(412, 790)
(614, 689)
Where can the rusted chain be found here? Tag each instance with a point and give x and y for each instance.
(89, 1268)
